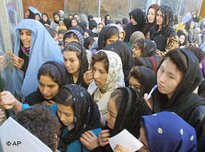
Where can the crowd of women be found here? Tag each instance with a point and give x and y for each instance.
(145, 74)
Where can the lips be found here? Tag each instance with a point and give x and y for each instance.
(160, 86)
(97, 82)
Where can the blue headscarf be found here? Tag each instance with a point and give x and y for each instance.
(166, 131)
(43, 48)
(34, 10)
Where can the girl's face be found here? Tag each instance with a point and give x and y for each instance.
(182, 39)
(37, 17)
(159, 18)
(111, 113)
(151, 15)
(112, 39)
(134, 83)
(61, 23)
(25, 36)
(56, 18)
(48, 88)
(121, 36)
(100, 74)
(136, 51)
(27, 14)
(71, 62)
(168, 77)
(100, 26)
(45, 18)
(74, 22)
(133, 21)
(69, 40)
(66, 115)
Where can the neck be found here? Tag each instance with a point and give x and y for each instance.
(75, 76)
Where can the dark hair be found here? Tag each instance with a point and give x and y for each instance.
(41, 123)
(74, 19)
(178, 58)
(197, 52)
(101, 57)
(111, 32)
(62, 32)
(71, 35)
(155, 7)
(50, 69)
(90, 17)
(51, 31)
(88, 41)
(38, 15)
(82, 56)
(139, 43)
(117, 95)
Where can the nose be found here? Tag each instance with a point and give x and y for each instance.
(162, 78)
(45, 91)
(96, 75)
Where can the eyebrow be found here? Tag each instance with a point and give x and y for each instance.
(167, 71)
(63, 112)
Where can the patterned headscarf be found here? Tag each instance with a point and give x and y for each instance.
(115, 77)
(164, 135)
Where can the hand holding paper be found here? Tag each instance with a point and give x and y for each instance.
(126, 140)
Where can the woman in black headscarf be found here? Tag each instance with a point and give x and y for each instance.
(78, 113)
(178, 76)
(125, 108)
(45, 20)
(76, 63)
(138, 21)
(182, 38)
(56, 72)
(163, 33)
(109, 34)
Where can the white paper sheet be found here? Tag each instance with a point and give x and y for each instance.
(125, 139)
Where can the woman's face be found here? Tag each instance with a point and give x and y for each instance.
(71, 62)
(25, 36)
(37, 17)
(134, 83)
(56, 18)
(100, 74)
(69, 40)
(121, 36)
(27, 14)
(74, 22)
(159, 18)
(45, 18)
(111, 113)
(133, 21)
(66, 115)
(144, 141)
(100, 26)
(61, 23)
(48, 88)
(151, 15)
(182, 39)
(168, 77)
(112, 39)
(136, 51)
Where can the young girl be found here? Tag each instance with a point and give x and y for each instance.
(108, 75)
(76, 63)
(78, 113)
(178, 76)
(125, 108)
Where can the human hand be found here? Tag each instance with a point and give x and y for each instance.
(89, 140)
(120, 148)
(17, 61)
(7, 100)
(88, 77)
(2, 116)
(104, 136)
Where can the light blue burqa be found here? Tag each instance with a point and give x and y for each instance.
(43, 48)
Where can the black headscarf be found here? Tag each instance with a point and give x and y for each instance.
(86, 112)
(148, 47)
(54, 14)
(179, 33)
(132, 107)
(36, 97)
(92, 24)
(102, 37)
(83, 25)
(67, 22)
(47, 22)
(83, 66)
(124, 52)
(183, 100)
(139, 16)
